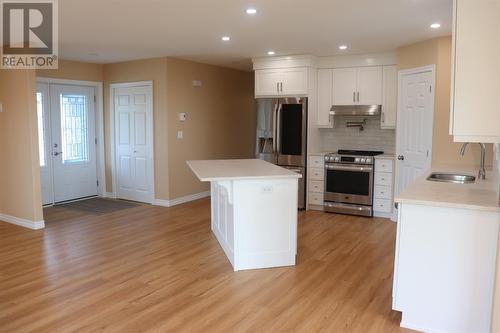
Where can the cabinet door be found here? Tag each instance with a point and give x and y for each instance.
(344, 86)
(390, 97)
(294, 82)
(475, 116)
(267, 82)
(325, 98)
(369, 86)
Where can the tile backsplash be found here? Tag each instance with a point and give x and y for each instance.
(371, 138)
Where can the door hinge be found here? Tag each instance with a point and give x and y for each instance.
(97, 181)
(430, 89)
(95, 140)
(94, 99)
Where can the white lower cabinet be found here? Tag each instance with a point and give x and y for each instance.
(383, 187)
(444, 268)
(316, 182)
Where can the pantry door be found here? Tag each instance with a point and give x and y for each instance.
(133, 146)
(415, 125)
(73, 142)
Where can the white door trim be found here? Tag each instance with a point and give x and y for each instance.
(99, 123)
(112, 88)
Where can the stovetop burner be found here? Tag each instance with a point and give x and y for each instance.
(359, 152)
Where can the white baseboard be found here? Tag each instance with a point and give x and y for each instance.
(382, 214)
(35, 225)
(110, 195)
(181, 200)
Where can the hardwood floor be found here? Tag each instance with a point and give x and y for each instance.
(154, 269)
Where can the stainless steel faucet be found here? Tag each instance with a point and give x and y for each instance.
(482, 171)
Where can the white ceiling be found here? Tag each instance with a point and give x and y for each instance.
(104, 31)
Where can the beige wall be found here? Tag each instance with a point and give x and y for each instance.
(20, 193)
(220, 119)
(143, 70)
(438, 51)
(74, 70)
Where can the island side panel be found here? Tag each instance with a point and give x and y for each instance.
(222, 222)
(266, 222)
(446, 268)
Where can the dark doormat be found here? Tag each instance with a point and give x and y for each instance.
(100, 205)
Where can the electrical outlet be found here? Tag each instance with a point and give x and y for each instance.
(1, 107)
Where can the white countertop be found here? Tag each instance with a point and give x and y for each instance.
(481, 195)
(213, 170)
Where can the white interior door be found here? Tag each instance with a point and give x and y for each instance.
(44, 139)
(415, 122)
(73, 145)
(133, 143)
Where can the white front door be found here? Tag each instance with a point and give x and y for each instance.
(415, 124)
(68, 163)
(133, 143)
(43, 120)
(73, 142)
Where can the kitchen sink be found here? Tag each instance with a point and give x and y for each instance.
(451, 178)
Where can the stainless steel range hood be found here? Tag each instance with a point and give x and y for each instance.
(355, 110)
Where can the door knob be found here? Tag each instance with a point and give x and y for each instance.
(57, 153)
(401, 157)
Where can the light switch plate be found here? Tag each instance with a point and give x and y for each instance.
(197, 83)
(1, 107)
(180, 134)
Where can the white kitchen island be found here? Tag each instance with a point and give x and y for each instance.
(254, 211)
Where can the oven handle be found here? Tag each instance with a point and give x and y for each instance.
(346, 167)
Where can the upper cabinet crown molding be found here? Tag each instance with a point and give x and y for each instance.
(358, 60)
(284, 62)
(475, 97)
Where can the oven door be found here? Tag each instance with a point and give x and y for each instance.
(348, 183)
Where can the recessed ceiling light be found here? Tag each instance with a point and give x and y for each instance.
(251, 11)
(435, 25)
(226, 38)
(343, 47)
(270, 52)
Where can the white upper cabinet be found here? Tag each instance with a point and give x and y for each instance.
(325, 97)
(475, 95)
(390, 97)
(357, 86)
(294, 82)
(267, 82)
(345, 86)
(369, 85)
(281, 82)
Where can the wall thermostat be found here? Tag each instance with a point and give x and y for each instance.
(182, 116)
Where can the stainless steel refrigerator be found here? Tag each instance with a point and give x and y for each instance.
(282, 136)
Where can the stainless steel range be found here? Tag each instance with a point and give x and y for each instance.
(349, 182)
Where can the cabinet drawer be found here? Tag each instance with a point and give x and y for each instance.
(316, 174)
(316, 186)
(382, 205)
(383, 178)
(383, 165)
(316, 199)
(382, 192)
(317, 162)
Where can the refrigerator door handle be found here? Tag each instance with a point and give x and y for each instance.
(278, 128)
